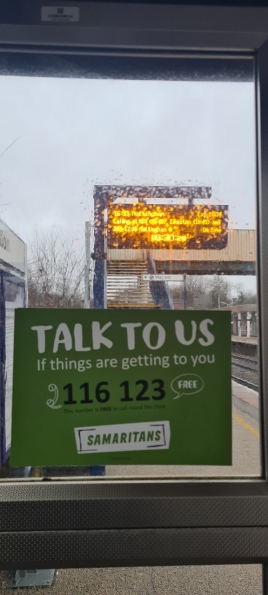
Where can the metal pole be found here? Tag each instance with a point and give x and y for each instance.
(184, 293)
(100, 272)
(99, 255)
(191, 204)
(87, 265)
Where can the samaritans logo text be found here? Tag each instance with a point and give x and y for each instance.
(123, 437)
(112, 387)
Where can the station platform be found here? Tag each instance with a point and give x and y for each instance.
(245, 345)
(246, 408)
(249, 340)
(243, 393)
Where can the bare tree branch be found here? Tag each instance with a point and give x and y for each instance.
(14, 141)
(55, 271)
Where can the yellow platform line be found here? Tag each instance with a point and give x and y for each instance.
(245, 425)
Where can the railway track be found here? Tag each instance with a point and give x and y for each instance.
(250, 367)
(250, 363)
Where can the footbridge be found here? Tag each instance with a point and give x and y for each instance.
(238, 258)
(125, 270)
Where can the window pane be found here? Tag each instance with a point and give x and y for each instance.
(180, 146)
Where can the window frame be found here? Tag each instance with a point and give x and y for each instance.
(107, 522)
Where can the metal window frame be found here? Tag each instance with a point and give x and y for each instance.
(102, 522)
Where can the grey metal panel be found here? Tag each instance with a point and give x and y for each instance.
(115, 255)
(116, 64)
(59, 506)
(241, 247)
(262, 235)
(206, 268)
(149, 547)
(143, 26)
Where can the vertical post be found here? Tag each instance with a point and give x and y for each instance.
(254, 326)
(234, 325)
(248, 324)
(239, 324)
(99, 255)
(100, 271)
(184, 292)
(191, 204)
(87, 265)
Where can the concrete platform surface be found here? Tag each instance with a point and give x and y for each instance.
(249, 340)
(190, 580)
(246, 394)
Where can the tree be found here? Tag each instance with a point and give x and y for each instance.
(196, 287)
(55, 271)
(220, 292)
(244, 296)
(203, 292)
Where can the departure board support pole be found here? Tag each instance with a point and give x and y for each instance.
(99, 254)
(87, 264)
(100, 272)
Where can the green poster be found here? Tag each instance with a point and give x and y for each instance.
(111, 387)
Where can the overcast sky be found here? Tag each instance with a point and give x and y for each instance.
(75, 133)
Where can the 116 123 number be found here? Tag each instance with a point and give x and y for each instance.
(157, 389)
(145, 392)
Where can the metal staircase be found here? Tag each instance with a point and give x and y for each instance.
(127, 289)
(159, 289)
(125, 286)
